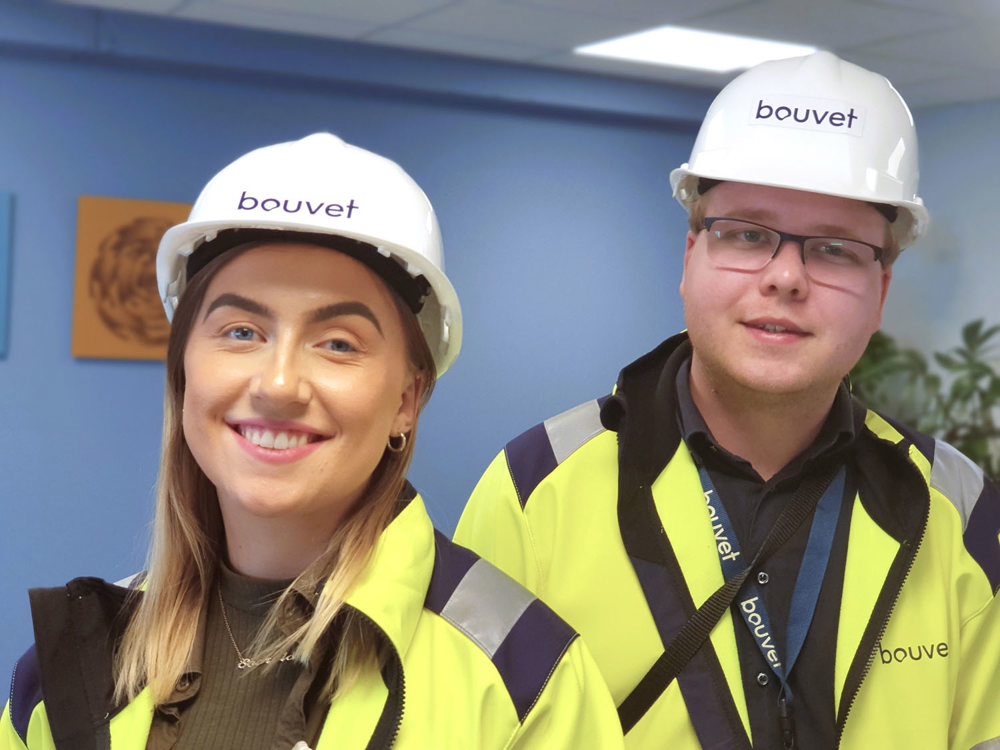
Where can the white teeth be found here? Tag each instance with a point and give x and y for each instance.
(276, 441)
(773, 328)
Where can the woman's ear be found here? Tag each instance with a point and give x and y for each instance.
(409, 404)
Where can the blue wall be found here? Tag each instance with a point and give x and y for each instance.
(551, 189)
(950, 276)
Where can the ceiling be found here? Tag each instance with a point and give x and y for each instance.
(935, 52)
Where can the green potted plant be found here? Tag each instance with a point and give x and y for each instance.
(951, 396)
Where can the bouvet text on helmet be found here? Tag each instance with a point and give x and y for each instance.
(814, 123)
(322, 187)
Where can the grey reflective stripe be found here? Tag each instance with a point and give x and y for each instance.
(993, 744)
(957, 478)
(571, 429)
(486, 605)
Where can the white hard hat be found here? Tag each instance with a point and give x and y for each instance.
(318, 186)
(815, 123)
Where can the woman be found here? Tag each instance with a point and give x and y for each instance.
(296, 593)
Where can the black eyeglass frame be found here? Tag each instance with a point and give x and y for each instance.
(798, 239)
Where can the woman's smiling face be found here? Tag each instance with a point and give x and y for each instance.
(296, 374)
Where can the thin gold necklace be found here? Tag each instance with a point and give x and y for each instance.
(244, 662)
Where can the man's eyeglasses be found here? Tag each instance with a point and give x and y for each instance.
(740, 245)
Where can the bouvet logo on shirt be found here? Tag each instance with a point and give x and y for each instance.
(803, 113)
(898, 653)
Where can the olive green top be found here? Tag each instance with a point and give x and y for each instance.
(216, 705)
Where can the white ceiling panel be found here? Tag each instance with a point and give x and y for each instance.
(969, 9)
(643, 12)
(973, 46)
(364, 11)
(469, 46)
(541, 27)
(158, 7)
(824, 24)
(322, 25)
(936, 52)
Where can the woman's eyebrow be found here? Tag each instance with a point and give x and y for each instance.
(235, 300)
(345, 308)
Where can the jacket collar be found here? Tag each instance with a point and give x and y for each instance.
(642, 410)
(392, 589)
(643, 407)
(77, 625)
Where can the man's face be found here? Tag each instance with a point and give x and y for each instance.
(776, 331)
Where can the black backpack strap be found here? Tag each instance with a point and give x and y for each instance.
(699, 626)
(702, 684)
(76, 629)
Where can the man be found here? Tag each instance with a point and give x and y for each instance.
(863, 557)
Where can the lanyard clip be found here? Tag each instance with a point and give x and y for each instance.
(787, 723)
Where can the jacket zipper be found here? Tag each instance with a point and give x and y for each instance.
(911, 550)
(385, 736)
(402, 702)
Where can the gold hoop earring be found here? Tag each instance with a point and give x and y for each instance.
(397, 448)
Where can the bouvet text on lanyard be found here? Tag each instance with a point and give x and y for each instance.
(804, 595)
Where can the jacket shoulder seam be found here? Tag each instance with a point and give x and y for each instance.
(25, 692)
(536, 453)
(963, 484)
(521, 636)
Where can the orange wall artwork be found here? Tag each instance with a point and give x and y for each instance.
(117, 313)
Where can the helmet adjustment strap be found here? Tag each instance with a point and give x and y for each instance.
(412, 289)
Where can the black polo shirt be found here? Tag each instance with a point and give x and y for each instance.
(753, 506)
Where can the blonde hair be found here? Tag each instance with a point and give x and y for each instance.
(189, 541)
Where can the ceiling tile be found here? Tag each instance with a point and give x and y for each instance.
(971, 46)
(973, 9)
(163, 7)
(363, 11)
(934, 52)
(321, 25)
(542, 27)
(822, 23)
(457, 44)
(645, 13)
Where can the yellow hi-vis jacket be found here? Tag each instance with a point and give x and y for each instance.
(917, 661)
(477, 662)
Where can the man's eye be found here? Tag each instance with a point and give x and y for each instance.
(843, 253)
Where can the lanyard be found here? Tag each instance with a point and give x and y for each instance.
(807, 584)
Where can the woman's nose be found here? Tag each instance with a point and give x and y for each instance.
(280, 378)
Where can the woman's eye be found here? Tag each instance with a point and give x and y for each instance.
(340, 346)
(241, 333)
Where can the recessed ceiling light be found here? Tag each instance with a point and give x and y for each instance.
(691, 48)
